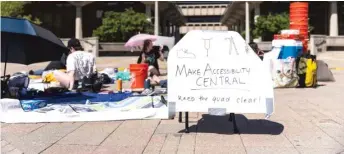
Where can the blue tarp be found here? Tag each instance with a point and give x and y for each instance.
(81, 98)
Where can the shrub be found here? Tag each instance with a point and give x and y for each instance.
(120, 26)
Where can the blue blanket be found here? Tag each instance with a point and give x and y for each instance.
(81, 98)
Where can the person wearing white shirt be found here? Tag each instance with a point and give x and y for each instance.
(79, 64)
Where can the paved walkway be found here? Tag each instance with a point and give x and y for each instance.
(306, 121)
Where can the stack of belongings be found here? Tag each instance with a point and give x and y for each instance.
(287, 47)
(306, 64)
(290, 66)
(16, 85)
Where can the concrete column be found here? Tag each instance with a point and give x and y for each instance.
(256, 15)
(163, 27)
(168, 30)
(78, 22)
(229, 27)
(156, 18)
(241, 25)
(149, 12)
(333, 19)
(177, 35)
(247, 22)
(173, 30)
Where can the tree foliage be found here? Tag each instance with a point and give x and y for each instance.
(270, 24)
(120, 26)
(16, 9)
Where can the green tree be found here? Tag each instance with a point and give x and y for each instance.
(16, 9)
(120, 26)
(268, 25)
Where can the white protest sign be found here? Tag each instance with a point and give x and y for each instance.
(218, 70)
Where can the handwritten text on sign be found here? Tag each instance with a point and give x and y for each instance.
(210, 77)
(214, 78)
(214, 99)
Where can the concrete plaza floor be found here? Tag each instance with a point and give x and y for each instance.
(309, 121)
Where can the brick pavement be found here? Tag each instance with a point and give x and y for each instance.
(306, 121)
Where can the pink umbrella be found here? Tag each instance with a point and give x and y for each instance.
(138, 39)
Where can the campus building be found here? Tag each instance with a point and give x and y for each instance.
(327, 17)
(205, 15)
(68, 19)
(79, 18)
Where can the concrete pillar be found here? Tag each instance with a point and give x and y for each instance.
(168, 30)
(156, 18)
(229, 27)
(177, 35)
(241, 25)
(173, 30)
(149, 12)
(78, 22)
(247, 22)
(163, 27)
(333, 19)
(256, 15)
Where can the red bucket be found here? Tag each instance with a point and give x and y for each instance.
(139, 73)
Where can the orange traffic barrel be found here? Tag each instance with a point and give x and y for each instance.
(299, 5)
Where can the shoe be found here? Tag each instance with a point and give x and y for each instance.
(147, 92)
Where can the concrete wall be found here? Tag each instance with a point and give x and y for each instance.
(321, 43)
(114, 46)
(265, 46)
(317, 43)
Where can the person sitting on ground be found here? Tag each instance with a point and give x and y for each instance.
(53, 65)
(79, 64)
(150, 56)
(148, 87)
(255, 48)
(165, 51)
(57, 65)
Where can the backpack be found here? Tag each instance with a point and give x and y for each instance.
(92, 84)
(306, 67)
(17, 85)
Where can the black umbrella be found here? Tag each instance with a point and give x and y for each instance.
(23, 42)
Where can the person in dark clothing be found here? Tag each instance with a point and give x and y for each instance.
(53, 65)
(255, 48)
(150, 56)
